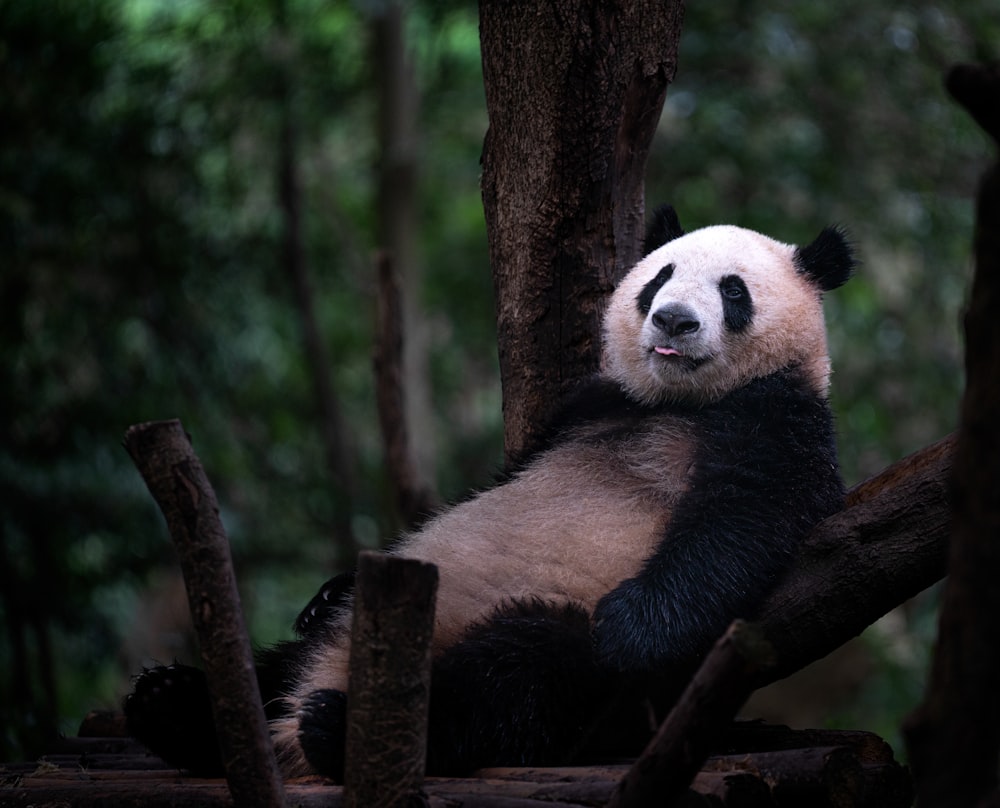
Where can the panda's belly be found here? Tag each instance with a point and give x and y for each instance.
(548, 534)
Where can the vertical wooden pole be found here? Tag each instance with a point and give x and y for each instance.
(953, 738)
(163, 454)
(389, 683)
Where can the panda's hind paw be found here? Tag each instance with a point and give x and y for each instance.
(170, 712)
(322, 727)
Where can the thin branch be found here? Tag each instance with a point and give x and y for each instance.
(718, 689)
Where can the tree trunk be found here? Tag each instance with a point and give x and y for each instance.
(954, 737)
(574, 91)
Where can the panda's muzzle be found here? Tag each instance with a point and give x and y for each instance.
(672, 327)
(675, 320)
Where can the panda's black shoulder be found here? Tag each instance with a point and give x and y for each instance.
(787, 391)
(780, 412)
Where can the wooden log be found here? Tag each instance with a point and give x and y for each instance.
(802, 777)
(389, 680)
(817, 776)
(163, 454)
(719, 688)
(778, 754)
(733, 789)
(887, 785)
(759, 736)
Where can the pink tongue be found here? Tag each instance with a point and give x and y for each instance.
(667, 351)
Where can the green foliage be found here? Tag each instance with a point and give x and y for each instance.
(141, 274)
(142, 278)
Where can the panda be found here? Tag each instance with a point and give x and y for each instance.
(665, 501)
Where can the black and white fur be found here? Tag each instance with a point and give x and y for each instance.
(670, 496)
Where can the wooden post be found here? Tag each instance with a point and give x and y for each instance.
(162, 452)
(389, 681)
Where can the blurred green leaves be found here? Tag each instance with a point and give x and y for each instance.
(140, 273)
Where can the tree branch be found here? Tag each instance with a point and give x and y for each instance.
(684, 740)
(887, 545)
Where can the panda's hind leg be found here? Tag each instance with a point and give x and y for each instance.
(521, 688)
(169, 711)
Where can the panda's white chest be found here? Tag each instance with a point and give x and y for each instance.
(571, 527)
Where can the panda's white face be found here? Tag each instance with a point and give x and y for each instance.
(709, 311)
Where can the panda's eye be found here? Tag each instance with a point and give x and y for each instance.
(733, 291)
(737, 305)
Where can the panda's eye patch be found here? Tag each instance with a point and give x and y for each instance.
(645, 299)
(737, 306)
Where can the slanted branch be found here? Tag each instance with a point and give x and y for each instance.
(163, 454)
(886, 546)
(719, 688)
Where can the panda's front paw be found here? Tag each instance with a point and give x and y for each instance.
(170, 712)
(322, 729)
(645, 625)
(625, 629)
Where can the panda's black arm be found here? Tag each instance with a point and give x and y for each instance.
(334, 594)
(766, 473)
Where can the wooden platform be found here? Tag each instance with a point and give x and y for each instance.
(758, 765)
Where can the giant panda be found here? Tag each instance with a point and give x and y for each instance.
(665, 501)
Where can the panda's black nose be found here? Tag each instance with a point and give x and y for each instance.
(675, 319)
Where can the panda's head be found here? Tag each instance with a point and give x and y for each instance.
(706, 312)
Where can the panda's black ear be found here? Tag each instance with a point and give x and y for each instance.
(663, 227)
(828, 261)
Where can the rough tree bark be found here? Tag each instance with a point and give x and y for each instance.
(574, 91)
(954, 737)
(390, 681)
